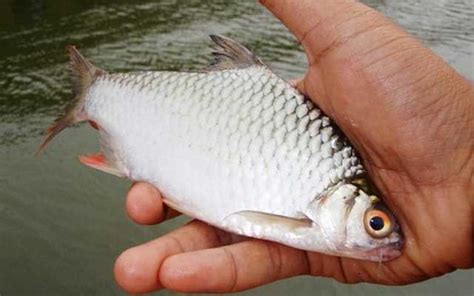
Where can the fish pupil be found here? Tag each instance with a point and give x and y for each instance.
(376, 223)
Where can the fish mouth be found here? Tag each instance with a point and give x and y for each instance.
(384, 253)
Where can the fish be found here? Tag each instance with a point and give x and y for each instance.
(236, 146)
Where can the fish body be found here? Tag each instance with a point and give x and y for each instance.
(234, 146)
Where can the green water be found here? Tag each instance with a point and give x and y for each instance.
(62, 225)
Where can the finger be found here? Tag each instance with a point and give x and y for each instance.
(335, 35)
(322, 26)
(361, 61)
(295, 82)
(232, 268)
(136, 269)
(298, 83)
(144, 205)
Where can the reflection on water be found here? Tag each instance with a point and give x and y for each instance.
(61, 225)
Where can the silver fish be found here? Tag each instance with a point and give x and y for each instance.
(235, 146)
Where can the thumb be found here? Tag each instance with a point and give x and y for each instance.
(321, 25)
(394, 98)
(345, 42)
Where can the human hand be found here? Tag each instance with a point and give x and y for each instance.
(408, 113)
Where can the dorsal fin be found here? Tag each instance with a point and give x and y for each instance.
(229, 54)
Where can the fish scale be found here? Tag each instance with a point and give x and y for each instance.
(233, 145)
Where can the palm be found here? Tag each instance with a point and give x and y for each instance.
(404, 118)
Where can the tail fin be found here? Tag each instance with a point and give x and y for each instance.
(83, 73)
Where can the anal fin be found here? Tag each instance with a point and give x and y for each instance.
(99, 162)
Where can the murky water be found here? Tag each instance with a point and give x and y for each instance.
(62, 225)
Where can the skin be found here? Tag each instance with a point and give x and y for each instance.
(411, 117)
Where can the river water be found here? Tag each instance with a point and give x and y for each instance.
(62, 225)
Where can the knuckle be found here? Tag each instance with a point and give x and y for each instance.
(233, 282)
(275, 261)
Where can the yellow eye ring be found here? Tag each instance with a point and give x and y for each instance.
(377, 223)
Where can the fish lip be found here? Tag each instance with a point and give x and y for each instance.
(385, 253)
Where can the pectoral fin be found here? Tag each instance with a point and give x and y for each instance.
(268, 220)
(99, 162)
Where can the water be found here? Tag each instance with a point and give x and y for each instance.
(62, 225)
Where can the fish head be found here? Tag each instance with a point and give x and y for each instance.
(357, 225)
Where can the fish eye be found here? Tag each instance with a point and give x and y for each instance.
(377, 223)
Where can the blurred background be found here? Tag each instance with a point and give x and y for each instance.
(61, 224)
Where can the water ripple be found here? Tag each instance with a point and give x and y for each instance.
(172, 35)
